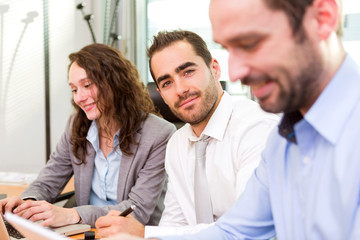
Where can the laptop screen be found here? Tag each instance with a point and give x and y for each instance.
(3, 232)
(31, 230)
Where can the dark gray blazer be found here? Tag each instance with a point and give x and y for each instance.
(140, 181)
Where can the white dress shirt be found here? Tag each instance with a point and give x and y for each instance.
(238, 133)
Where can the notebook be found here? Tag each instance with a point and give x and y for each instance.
(35, 231)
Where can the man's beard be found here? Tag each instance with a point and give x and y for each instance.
(298, 86)
(209, 98)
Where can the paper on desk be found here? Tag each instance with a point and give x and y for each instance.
(16, 178)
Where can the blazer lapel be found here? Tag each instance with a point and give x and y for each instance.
(86, 174)
(125, 167)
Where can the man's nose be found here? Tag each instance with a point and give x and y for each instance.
(181, 86)
(238, 67)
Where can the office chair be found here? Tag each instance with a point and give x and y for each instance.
(162, 107)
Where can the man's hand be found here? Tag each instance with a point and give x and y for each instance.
(112, 224)
(9, 204)
(52, 215)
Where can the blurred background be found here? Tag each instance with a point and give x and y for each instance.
(36, 37)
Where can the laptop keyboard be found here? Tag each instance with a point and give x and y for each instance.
(12, 231)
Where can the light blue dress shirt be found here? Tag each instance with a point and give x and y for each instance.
(106, 171)
(307, 185)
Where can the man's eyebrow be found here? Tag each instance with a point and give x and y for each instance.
(162, 78)
(183, 66)
(248, 37)
(177, 70)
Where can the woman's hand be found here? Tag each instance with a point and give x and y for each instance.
(8, 204)
(52, 215)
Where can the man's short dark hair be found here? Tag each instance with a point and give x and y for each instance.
(295, 11)
(165, 38)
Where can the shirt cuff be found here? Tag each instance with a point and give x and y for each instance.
(212, 232)
(30, 198)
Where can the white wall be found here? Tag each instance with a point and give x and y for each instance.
(21, 116)
(68, 33)
(22, 104)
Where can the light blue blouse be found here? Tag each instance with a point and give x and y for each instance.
(106, 171)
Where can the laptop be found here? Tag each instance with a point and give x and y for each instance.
(8, 232)
(34, 231)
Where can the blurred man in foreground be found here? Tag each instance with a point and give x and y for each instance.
(307, 185)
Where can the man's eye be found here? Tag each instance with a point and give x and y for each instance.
(188, 72)
(165, 84)
(73, 90)
(250, 45)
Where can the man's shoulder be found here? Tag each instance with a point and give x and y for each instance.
(249, 111)
(181, 135)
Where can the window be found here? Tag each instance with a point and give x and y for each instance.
(351, 9)
(193, 16)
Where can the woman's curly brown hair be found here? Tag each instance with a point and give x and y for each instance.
(122, 97)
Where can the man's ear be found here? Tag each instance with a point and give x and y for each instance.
(215, 68)
(326, 13)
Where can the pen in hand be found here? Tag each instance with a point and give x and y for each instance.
(127, 211)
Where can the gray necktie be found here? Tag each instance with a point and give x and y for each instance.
(203, 206)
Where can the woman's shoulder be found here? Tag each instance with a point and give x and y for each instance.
(69, 123)
(157, 123)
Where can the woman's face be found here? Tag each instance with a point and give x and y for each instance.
(84, 91)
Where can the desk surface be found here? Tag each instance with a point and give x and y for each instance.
(12, 190)
(16, 190)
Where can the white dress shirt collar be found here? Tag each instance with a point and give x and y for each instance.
(218, 122)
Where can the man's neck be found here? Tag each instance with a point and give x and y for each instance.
(199, 127)
(333, 59)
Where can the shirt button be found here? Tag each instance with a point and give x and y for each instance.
(307, 160)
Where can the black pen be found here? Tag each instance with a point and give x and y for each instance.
(127, 211)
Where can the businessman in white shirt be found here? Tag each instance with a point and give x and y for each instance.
(187, 78)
